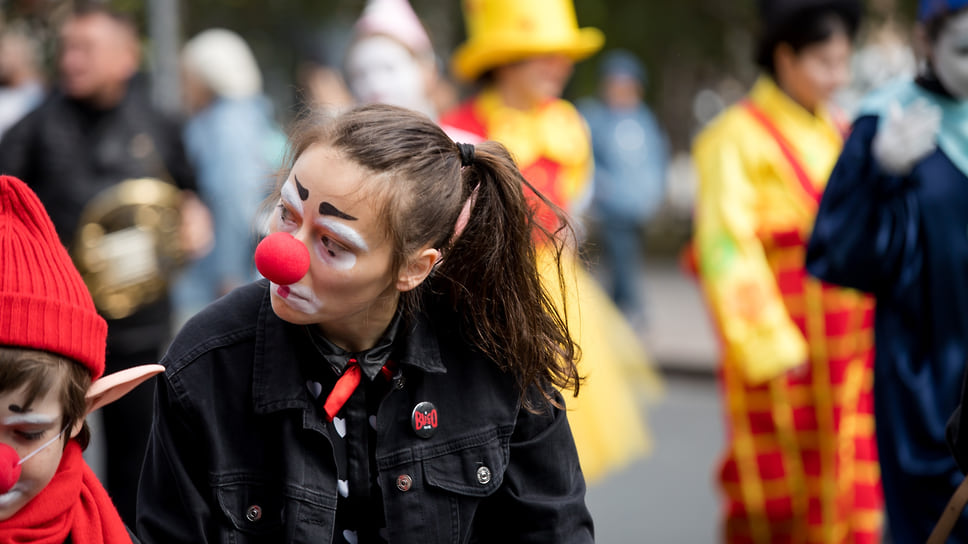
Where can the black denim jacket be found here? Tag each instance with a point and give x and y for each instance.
(238, 451)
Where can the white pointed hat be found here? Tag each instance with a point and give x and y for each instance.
(396, 19)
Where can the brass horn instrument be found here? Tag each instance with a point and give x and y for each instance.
(127, 245)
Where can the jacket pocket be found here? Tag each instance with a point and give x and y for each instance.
(475, 471)
(252, 507)
(431, 494)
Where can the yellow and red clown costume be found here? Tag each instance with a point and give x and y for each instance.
(796, 368)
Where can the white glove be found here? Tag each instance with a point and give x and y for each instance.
(906, 136)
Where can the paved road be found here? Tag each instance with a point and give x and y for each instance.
(667, 498)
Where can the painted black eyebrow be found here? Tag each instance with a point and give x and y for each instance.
(303, 192)
(325, 208)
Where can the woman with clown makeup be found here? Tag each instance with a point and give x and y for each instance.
(51, 350)
(894, 222)
(396, 376)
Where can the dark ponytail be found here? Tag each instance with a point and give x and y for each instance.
(492, 272)
(489, 273)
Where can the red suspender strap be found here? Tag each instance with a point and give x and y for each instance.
(805, 183)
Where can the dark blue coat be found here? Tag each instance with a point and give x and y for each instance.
(905, 239)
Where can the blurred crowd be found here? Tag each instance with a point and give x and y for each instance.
(825, 206)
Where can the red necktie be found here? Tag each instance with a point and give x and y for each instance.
(346, 384)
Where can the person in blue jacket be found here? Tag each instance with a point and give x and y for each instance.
(893, 221)
(233, 142)
(631, 158)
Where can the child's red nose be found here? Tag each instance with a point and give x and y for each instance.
(9, 468)
(281, 258)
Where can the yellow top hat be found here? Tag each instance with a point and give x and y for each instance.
(504, 31)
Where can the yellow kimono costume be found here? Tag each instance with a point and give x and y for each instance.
(796, 374)
(552, 147)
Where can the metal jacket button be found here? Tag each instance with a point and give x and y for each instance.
(253, 513)
(404, 482)
(483, 475)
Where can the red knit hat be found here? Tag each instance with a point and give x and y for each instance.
(44, 303)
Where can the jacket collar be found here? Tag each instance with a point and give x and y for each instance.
(278, 382)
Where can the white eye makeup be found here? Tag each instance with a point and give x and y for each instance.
(340, 243)
(340, 254)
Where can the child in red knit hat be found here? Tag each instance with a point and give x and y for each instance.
(52, 344)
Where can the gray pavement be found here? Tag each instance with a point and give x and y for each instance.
(669, 496)
(680, 336)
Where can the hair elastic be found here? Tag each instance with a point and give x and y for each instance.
(466, 154)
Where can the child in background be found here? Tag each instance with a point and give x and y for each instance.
(51, 350)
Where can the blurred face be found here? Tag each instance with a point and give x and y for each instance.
(380, 70)
(622, 91)
(195, 94)
(536, 80)
(949, 56)
(349, 283)
(25, 429)
(812, 76)
(17, 60)
(97, 57)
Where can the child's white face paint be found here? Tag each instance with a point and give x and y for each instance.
(28, 419)
(34, 431)
(950, 56)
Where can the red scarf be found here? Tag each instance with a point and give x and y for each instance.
(73, 503)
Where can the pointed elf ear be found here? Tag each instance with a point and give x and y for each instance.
(116, 385)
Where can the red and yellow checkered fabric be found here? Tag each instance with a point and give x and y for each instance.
(801, 466)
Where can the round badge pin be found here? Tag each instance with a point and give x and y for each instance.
(423, 420)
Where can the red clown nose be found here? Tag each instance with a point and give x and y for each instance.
(281, 258)
(9, 468)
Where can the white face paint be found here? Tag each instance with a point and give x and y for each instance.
(290, 195)
(950, 56)
(35, 434)
(338, 242)
(350, 290)
(381, 70)
(27, 419)
(298, 297)
(338, 250)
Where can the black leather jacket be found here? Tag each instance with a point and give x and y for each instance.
(238, 452)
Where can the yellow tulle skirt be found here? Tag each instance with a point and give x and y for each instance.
(607, 418)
